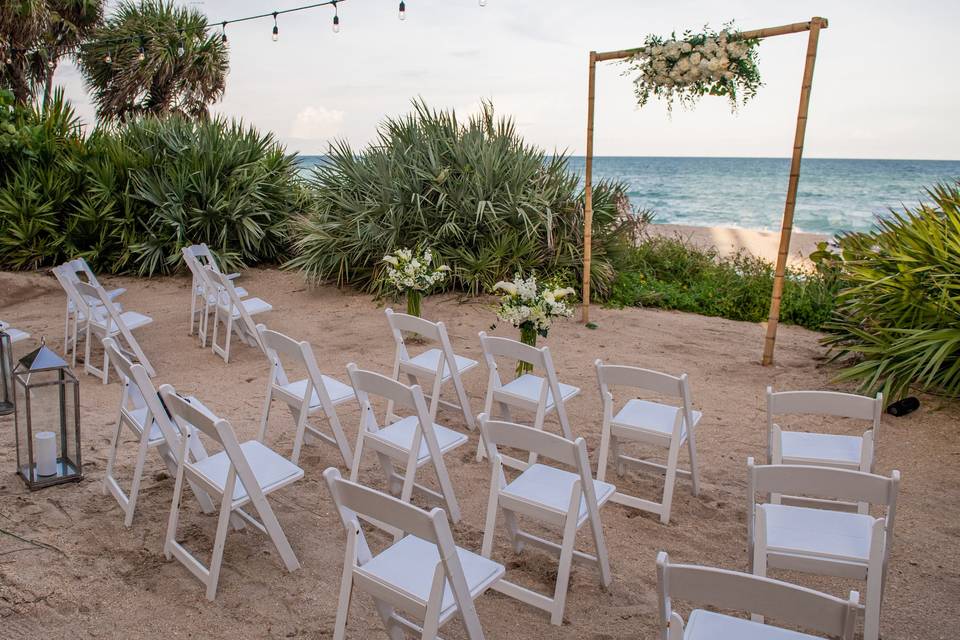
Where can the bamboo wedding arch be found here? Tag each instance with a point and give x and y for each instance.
(813, 28)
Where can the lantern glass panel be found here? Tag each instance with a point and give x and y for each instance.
(6, 374)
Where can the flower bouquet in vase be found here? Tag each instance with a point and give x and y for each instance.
(531, 307)
(413, 274)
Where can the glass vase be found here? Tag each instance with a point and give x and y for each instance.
(528, 335)
(413, 302)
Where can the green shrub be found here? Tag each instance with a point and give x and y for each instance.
(899, 318)
(127, 199)
(671, 273)
(486, 202)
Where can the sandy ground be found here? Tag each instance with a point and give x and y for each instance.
(68, 567)
(729, 240)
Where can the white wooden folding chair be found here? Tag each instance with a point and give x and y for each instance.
(234, 313)
(77, 270)
(823, 541)
(16, 335)
(823, 449)
(423, 574)
(432, 367)
(203, 299)
(528, 392)
(412, 442)
(550, 495)
(735, 591)
(239, 475)
(651, 424)
(144, 415)
(75, 316)
(112, 324)
(315, 394)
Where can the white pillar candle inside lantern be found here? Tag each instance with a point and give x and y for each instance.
(45, 444)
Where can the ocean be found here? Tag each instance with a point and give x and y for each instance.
(835, 195)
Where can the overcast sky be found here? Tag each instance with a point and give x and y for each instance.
(885, 83)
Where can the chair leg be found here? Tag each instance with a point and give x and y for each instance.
(464, 401)
(112, 458)
(566, 560)
(137, 478)
(216, 560)
(490, 524)
(669, 481)
(301, 421)
(339, 436)
(694, 470)
(604, 452)
(346, 589)
(538, 421)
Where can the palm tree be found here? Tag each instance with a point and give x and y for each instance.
(153, 57)
(35, 34)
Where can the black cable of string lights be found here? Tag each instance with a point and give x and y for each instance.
(402, 14)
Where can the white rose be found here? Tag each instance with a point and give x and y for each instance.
(391, 260)
(686, 47)
(684, 64)
(695, 58)
(506, 287)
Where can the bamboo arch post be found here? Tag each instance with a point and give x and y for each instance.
(813, 27)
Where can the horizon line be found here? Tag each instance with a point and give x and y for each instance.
(662, 157)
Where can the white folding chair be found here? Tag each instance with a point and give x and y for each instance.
(823, 541)
(423, 574)
(234, 313)
(412, 442)
(16, 335)
(238, 475)
(549, 495)
(434, 366)
(75, 316)
(823, 449)
(144, 415)
(650, 423)
(196, 257)
(111, 324)
(312, 395)
(77, 270)
(735, 591)
(528, 392)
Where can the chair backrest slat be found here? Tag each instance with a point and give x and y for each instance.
(515, 436)
(787, 603)
(824, 403)
(402, 322)
(646, 379)
(506, 348)
(370, 382)
(824, 482)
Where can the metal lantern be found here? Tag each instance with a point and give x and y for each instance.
(47, 420)
(6, 373)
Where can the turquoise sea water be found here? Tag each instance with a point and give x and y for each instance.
(835, 195)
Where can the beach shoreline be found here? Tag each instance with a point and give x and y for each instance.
(729, 240)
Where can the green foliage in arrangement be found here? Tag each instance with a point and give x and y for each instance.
(898, 320)
(153, 57)
(488, 204)
(671, 273)
(128, 199)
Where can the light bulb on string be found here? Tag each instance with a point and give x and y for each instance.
(276, 30)
(483, 3)
(223, 33)
(108, 58)
(180, 48)
(403, 11)
(336, 18)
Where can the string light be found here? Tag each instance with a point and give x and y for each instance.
(223, 33)
(336, 18)
(108, 58)
(483, 3)
(180, 48)
(276, 30)
(141, 51)
(403, 11)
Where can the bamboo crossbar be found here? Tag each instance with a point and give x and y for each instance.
(814, 25)
(769, 32)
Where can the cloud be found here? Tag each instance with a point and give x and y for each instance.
(316, 123)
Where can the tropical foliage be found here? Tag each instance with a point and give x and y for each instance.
(899, 318)
(153, 57)
(695, 65)
(129, 199)
(35, 35)
(671, 273)
(487, 203)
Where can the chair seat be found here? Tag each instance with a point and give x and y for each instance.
(16, 335)
(798, 446)
(643, 415)
(818, 532)
(430, 359)
(271, 470)
(550, 487)
(140, 416)
(113, 294)
(408, 565)
(528, 386)
(131, 319)
(252, 305)
(337, 391)
(400, 434)
(708, 625)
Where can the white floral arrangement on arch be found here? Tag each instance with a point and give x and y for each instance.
(532, 306)
(409, 271)
(697, 64)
